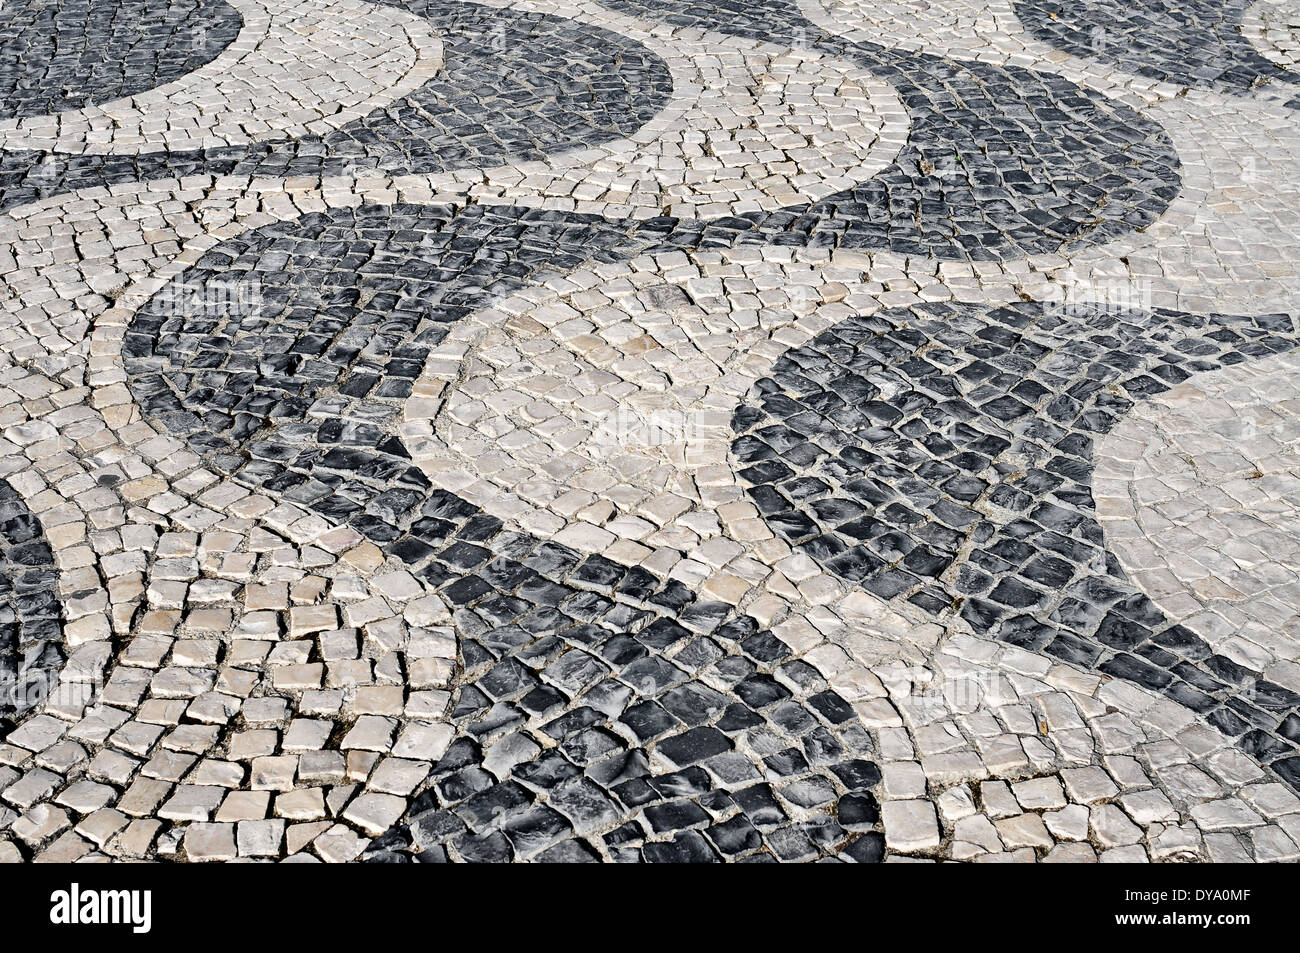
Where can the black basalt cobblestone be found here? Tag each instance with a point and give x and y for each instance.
(1189, 42)
(67, 54)
(600, 721)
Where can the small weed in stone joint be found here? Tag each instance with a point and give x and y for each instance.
(946, 168)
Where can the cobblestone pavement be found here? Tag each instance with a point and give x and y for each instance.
(649, 430)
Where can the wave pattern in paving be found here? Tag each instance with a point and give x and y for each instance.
(516, 85)
(59, 56)
(943, 455)
(308, 649)
(539, 628)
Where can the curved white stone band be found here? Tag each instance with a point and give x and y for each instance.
(297, 68)
(1273, 28)
(1198, 491)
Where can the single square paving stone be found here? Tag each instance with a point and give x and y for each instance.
(997, 800)
(791, 845)
(491, 848)
(1039, 793)
(370, 733)
(260, 838)
(1068, 824)
(735, 836)
(67, 848)
(910, 826)
(857, 774)
(1112, 828)
(1224, 815)
(422, 741)
(1088, 785)
(688, 847)
(246, 806)
(40, 823)
(904, 779)
(32, 787)
(1272, 845)
(486, 809)
(1225, 848)
(956, 803)
(591, 745)
(1271, 800)
(85, 797)
(37, 734)
(694, 745)
(676, 815)
(1148, 807)
(586, 806)
(1024, 830)
(375, 813)
(858, 811)
(808, 792)
(208, 842)
(975, 831)
(867, 849)
(760, 806)
(535, 830)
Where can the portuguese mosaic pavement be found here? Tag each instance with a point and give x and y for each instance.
(649, 430)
